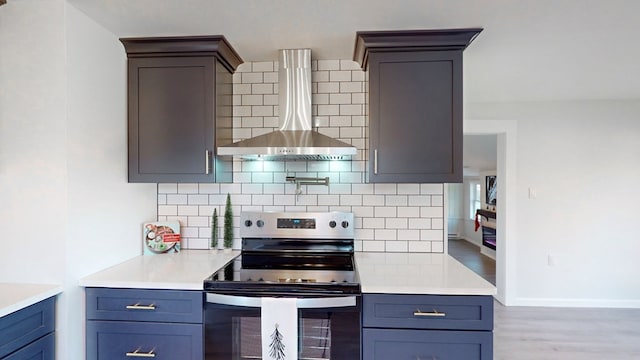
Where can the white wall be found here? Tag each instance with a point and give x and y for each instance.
(581, 159)
(33, 176)
(105, 212)
(67, 209)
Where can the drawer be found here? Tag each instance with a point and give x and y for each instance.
(24, 326)
(107, 340)
(41, 349)
(444, 312)
(144, 305)
(384, 344)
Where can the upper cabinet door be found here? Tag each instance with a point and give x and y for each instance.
(171, 119)
(415, 117)
(415, 103)
(180, 92)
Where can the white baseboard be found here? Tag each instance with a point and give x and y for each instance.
(577, 303)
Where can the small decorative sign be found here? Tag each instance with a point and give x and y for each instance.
(161, 237)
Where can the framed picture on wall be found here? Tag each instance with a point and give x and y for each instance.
(492, 190)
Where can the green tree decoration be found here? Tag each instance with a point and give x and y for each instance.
(276, 347)
(214, 229)
(228, 224)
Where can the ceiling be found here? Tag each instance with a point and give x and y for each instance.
(480, 153)
(530, 50)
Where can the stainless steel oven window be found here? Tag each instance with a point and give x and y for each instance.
(314, 341)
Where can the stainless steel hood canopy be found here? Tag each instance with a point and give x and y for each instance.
(295, 140)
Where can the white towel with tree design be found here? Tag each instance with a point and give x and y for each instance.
(279, 328)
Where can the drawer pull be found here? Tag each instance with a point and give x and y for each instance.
(137, 353)
(141, 307)
(433, 313)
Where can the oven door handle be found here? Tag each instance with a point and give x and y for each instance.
(303, 303)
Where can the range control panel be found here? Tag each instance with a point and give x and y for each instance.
(312, 225)
(296, 223)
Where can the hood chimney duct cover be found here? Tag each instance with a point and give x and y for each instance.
(295, 139)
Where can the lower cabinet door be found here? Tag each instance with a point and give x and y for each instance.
(384, 344)
(41, 349)
(107, 340)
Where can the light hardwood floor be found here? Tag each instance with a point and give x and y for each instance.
(545, 333)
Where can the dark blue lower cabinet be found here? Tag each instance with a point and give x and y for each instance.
(122, 340)
(41, 349)
(29, 333)
(399, 344)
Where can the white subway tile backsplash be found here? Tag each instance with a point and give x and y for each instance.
(437, 247)
(349, 65)
(167, 210)
(197, 199)
(186, 210)
(188, 188)
(208, 188)
(419, 246)
(199, 221)
(251, 78)
(409, 235)
(431, 189)
(433, 235)
(396, 223)
(431, 212)
(386, 234)
(408, 212)
(385, 211)
(420, 200)
(377, 246)
(410, 189)
(328, 65)
(396, 246)
(395, 200)
(384, 189)
(177, 199)
(373, 200)
(388, 217)
(167, 188)
(420, 223)
(339, 75)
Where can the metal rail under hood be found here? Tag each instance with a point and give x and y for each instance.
(295, 140)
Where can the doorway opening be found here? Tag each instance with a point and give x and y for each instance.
(504, 132)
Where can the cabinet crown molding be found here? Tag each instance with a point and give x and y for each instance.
(410, 40)
(208, 45)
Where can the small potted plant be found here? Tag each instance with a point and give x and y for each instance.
(228, 225)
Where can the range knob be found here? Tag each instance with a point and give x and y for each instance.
(345, 224)
(332, 224)
(260, 223)
(248, 223)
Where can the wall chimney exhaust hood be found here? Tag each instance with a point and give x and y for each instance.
(295, 140)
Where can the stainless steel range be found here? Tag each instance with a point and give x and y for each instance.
(305, 256)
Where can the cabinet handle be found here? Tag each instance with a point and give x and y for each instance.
(433, 313)
(207, 162)
(430, 358)
(137, 353)
(141, 307)
(375, 161)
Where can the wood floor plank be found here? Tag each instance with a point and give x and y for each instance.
(551, 333)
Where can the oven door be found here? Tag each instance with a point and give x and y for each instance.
(328, 327)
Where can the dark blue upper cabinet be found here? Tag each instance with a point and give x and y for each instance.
(180, 108)
(415, 103)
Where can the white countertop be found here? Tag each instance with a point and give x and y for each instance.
(14, 297)
(414, 273)
(400, 273)
(185, 270)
